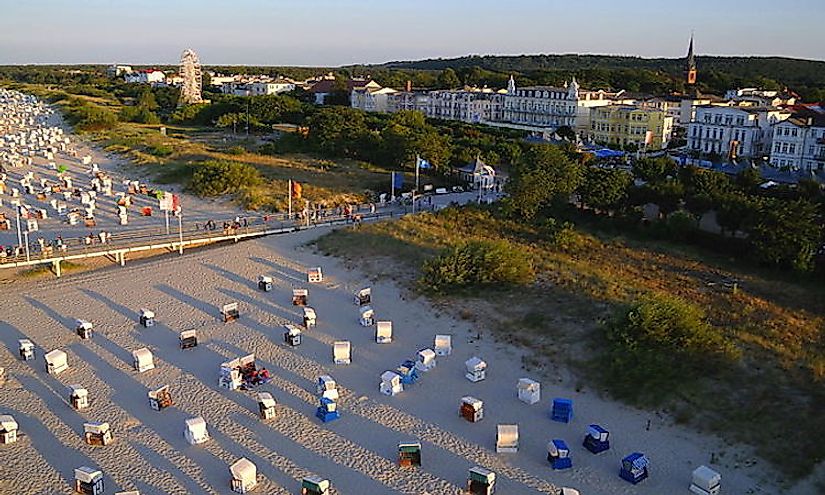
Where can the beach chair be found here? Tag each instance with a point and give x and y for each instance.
(26, 349)
(147, 318)
(471, 409)
(264, 283)
(562, 410)
(143, 360)
(476, 369)
(705, 481)
(506, 438)
(266, 405)
(558, 455)
(409, 454)
(195, 431)
(78, 397)
(188, 339)
(327, 387)
(342, 352)
(97, 433)
(292, 335)
(390, 383)
(327, 410)
(88, 481)
(407, 371)
(229, 312)
(425, 360)
(529, 391)
(363, 296)
(314, 275)
(443, 345)
(57, 362)
(244, 476)
(8, 429)
(366, 316)
(597, 439)
(160, 399)
(383, 332)
(83, 329)
(314, 485)
(634, 468)
(300, 297)
(310, 320)
(230, 375)
(481, 481)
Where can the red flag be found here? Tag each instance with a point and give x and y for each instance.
(296, 190)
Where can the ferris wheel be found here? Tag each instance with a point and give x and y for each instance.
(190, 71)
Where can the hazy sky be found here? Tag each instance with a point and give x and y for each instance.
(339, 32)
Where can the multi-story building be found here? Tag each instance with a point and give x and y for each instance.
(407, 100)
(145, 76)
(258, 88)
(542, 106)
(799, 141)
(118, 70)
(468, 105)
(733, 131)
(623, 125)
(371, 99)
(760, 97)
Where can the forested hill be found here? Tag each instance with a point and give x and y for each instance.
(716, 73)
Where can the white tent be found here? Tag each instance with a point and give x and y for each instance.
(341, 352)
(56, 362)
(244, 475)
(391, 383)
(195, 431)
(529, 391)
(506, 438)
(143, 360)
(443, 345)
(425, 360)
(476, 369)
(383, 332)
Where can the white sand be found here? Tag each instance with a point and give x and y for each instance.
(357, 453)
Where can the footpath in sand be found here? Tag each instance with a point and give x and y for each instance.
(357, 453)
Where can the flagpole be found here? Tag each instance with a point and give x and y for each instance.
(180, 228)
(392, 187)
(415, 192)
(289, 194)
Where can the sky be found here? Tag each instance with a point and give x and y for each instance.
(343, 32)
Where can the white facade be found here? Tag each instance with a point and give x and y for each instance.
(258, 88)
(542, 106)
(371, 99)
(799, 143)
(148, 76)
(733, 131)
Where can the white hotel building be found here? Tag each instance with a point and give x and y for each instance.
(733, 131)
(799, 142)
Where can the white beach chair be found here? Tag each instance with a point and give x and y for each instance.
(443, 345)
(383, 332)
(143, 360)
(195, 431)
(57, 362)
(391, 383)
(425, 360)
(476, 369)
(506, 438)
(244, 476)
(341, 352)
(529, 391)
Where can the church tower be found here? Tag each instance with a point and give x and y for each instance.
(690, 66)
(511, 86)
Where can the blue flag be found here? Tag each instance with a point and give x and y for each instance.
(422, 163)
(397, 180)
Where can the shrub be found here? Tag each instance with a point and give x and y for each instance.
(660, 344)
(161, 150)
(478, 263)
(216, 178)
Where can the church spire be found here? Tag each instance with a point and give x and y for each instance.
(690, 66)
(511, 85)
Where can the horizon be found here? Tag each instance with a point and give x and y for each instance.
(340, 33)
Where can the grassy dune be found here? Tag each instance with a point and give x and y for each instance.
(772, 397)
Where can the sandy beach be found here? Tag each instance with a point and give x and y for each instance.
(358, 453)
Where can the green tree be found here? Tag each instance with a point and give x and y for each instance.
(787, 234)
(217, 178)
(478, 263)
(654, 169)
(545, 174)
(736, 212)
(337, 131)
(407, 134)
(448, 79)
(604, 189)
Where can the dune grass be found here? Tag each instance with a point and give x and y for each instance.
(770, 396)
